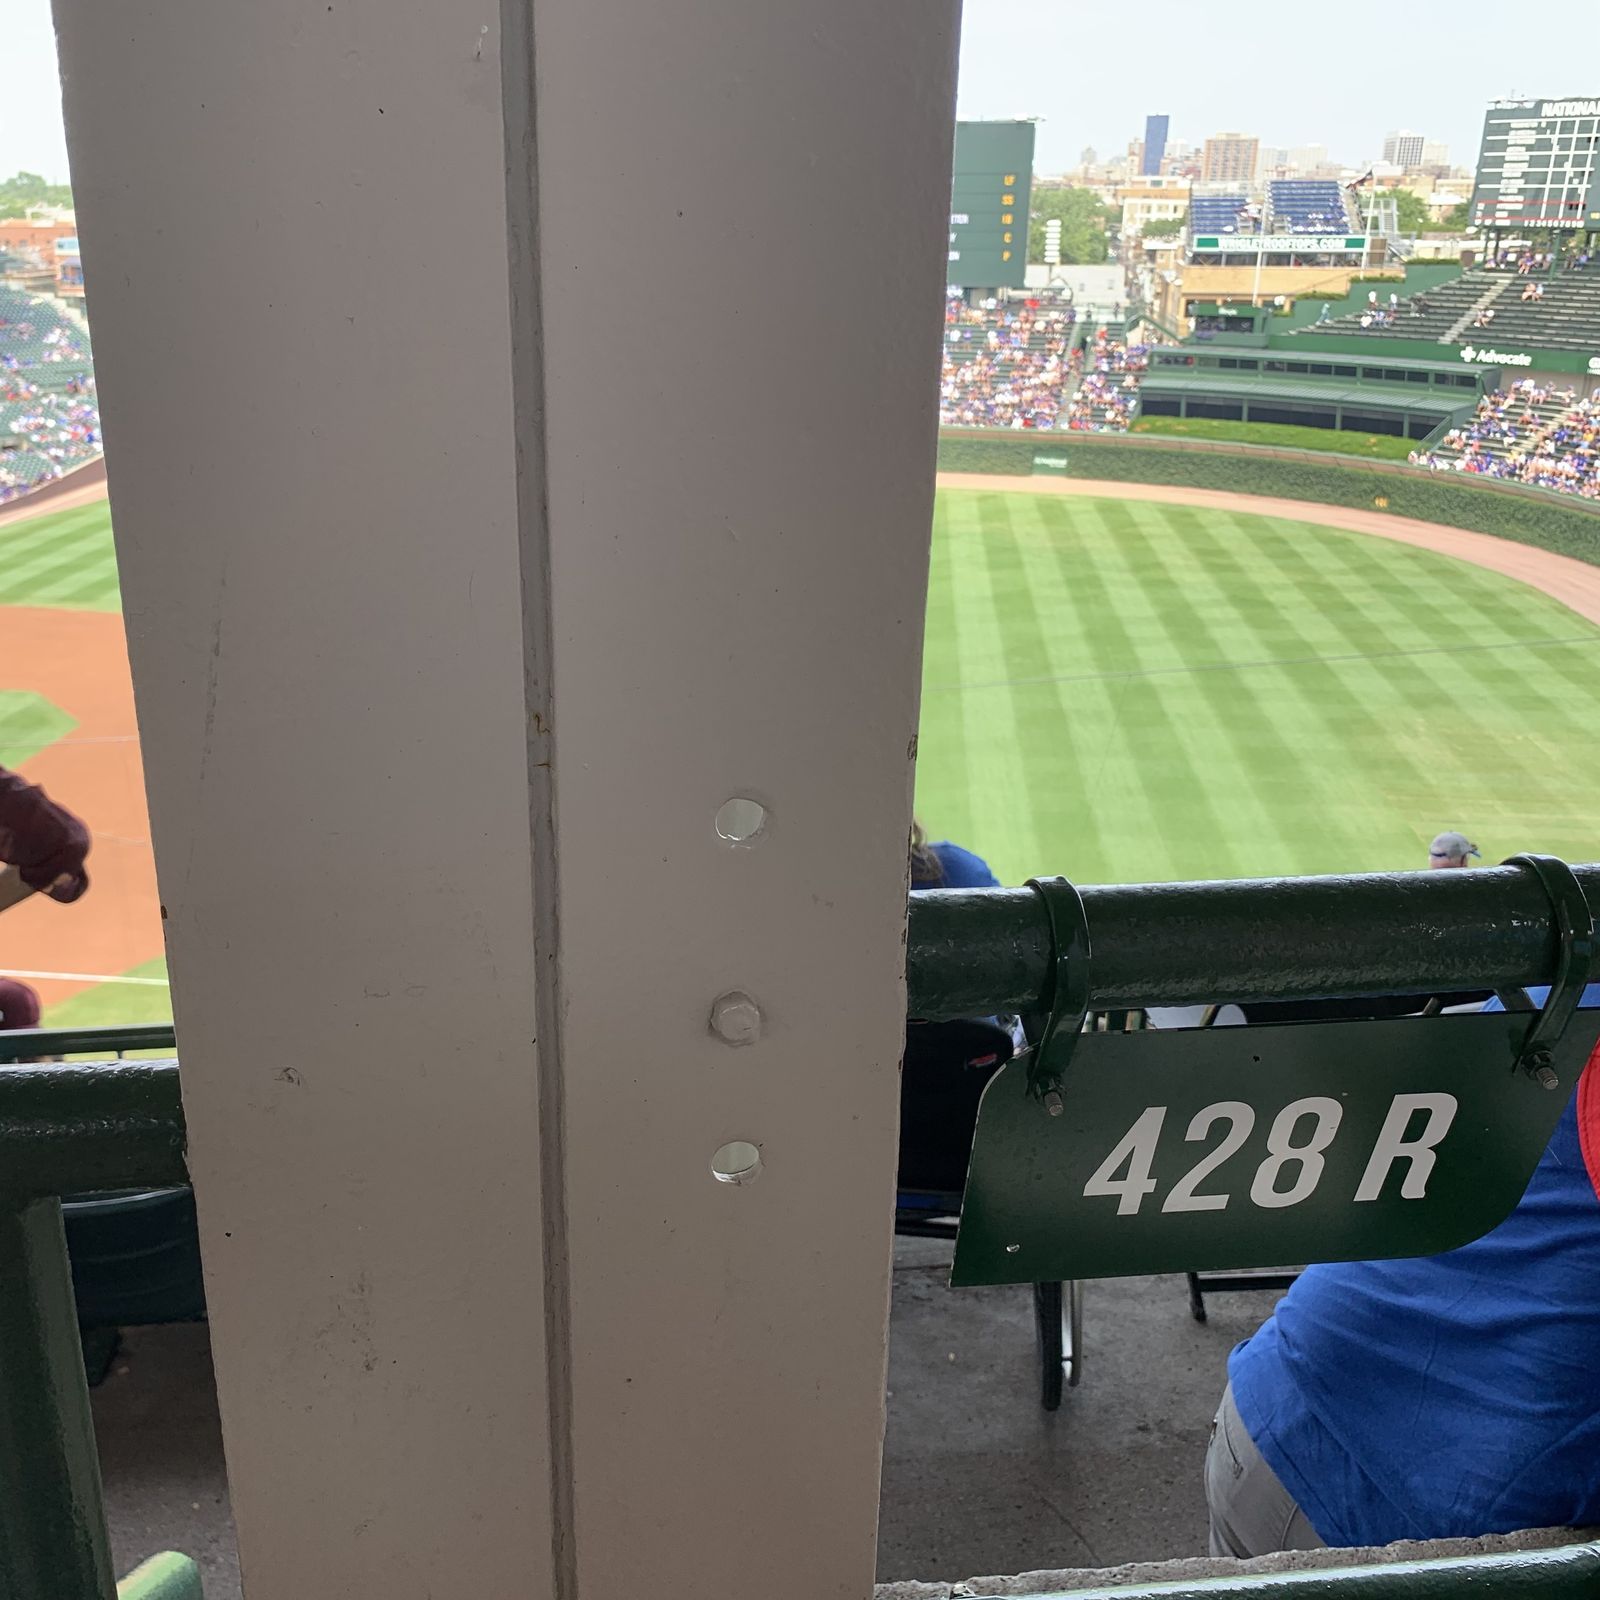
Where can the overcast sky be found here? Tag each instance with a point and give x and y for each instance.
(1340, 76)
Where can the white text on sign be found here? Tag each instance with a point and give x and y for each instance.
(1297, 1145)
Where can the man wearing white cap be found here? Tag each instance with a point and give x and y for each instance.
(1451, 850)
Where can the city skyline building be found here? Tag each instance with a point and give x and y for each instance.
(1403, 148)
(1230, 158)
(1156, 128)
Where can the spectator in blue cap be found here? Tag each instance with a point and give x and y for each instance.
(1451, 850)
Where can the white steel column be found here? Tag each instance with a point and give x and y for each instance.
(742, 216)
(293, 231)
(480, 539)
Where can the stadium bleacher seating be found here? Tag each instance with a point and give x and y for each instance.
(1007, 366)
(49, 419)
(1430, 315)
(1566, 317)
(1307, 205)
(1016, 366)
(1219, 214)
(1530, 434)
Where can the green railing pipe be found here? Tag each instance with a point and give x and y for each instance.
(976, 952)
(24, 1044)
(1570, 1573)
(90, 1125)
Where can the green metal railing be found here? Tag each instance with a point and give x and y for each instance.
(103, 1044)
(67, 1129)
(975, 952)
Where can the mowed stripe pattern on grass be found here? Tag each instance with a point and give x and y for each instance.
(62, 558)
(28, 722)
(1126, 691)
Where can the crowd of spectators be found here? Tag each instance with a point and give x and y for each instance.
(49, 421)
(1109, 390)
(1006, 366)
(1517, 437)
(1023, 365)
(1529, 262)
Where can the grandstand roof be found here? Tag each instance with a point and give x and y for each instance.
(1313, 391)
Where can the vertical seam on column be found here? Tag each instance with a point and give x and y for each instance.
(517, 53)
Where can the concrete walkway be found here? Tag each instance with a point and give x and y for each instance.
(976, 1479)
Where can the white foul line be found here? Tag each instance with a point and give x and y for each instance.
(85, 977)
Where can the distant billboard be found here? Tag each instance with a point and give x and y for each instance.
(989, 196)
(1256, 244)
(1537, 166)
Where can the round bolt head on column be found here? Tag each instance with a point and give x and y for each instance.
(736, 1018)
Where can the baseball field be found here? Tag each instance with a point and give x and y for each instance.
(1117, 687)
(1125, 689)
(67, 721)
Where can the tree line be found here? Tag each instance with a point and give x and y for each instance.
(24, 190)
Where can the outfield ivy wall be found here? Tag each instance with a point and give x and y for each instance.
(1549, 521)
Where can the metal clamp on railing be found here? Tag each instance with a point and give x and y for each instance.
(1575, 929)
(1069, 990)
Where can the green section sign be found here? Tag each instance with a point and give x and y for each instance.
(1184, 1150)
(989, 197)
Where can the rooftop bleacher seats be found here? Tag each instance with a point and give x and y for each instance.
(1307, 205)
(1219, 214)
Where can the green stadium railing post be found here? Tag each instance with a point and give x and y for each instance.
(53, 1541)
(163, 1577)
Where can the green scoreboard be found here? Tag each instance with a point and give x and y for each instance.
(1539, 166)
(989, 205)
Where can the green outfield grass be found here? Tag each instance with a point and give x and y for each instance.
(64, 558)
(1122, 691)
(28, 722)
(1286, 436)
(110, 1005)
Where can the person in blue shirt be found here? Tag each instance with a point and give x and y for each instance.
(1451, 1395)
(945, 865)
